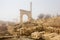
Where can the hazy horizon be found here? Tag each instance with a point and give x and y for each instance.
(10, 9)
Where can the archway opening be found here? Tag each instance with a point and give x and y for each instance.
(25, 18)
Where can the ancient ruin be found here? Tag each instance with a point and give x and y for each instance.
(28, 13)
(40, 29)
(25, 12)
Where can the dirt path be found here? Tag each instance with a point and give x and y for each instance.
(25, 38)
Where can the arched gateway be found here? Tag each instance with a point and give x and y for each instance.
(28, 13)
(24, 12)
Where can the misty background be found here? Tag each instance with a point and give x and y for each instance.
(10, 9)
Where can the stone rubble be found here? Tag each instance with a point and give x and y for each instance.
(47, 29)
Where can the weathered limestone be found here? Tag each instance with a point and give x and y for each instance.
(48, 36)
(12, 30)
(56, 37)
(28, 13)
(29, 30)
(52, 29)
(49, 29)
(37, 35)
(54, 22)
(49, 26)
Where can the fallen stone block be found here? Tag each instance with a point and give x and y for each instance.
(56, 37)
(37, 35)
(48, 36)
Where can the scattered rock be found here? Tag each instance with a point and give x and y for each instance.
(56, 37)
(37, 35)
(48, 36)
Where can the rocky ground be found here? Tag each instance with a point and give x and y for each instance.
(41, 29)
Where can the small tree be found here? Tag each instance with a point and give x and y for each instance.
(40, 16)
(58, 15)
(47, 16)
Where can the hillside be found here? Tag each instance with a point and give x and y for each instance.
(46, 29)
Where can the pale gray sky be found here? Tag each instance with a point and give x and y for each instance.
(9, 9)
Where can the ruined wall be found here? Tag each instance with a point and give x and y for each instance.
(28, 13)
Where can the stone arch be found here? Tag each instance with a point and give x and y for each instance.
(25, 18)
(24, 12)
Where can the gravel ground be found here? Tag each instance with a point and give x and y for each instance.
(9, 39)
(25, 38)
(21, 38)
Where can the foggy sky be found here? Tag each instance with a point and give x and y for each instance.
(10, 9)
